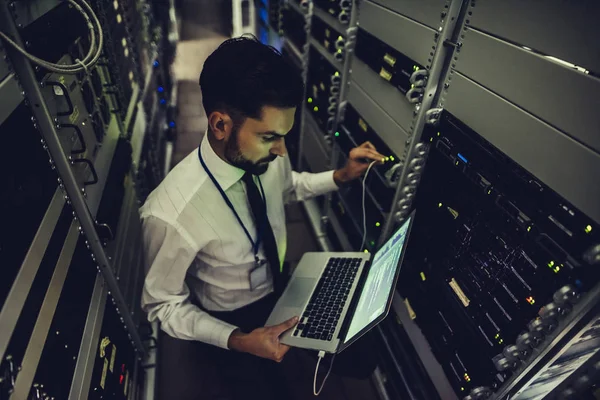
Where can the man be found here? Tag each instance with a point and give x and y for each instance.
(213, 257)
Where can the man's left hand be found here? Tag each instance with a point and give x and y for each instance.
(359, 160)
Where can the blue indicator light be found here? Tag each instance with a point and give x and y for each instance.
(163, 101)
(462, 158)
(155, 63)
(578, 284)
(161, 89)
(172, 124)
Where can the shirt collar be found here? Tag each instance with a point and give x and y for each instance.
(226, 174)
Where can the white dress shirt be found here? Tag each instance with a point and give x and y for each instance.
(194, 245)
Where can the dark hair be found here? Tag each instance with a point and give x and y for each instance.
(243, 75)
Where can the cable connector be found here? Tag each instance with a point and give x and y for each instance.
(321, 356)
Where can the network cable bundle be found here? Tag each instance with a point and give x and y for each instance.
(489, 130)
(74, 76)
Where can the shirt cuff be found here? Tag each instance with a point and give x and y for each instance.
(222, 338)
(324, 183)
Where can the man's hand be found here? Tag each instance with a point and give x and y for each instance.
(263, 342)
(358, 161)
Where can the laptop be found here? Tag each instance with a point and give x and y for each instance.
(340, 296)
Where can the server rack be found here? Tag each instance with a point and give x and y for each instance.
(72, 271)
(413, 74)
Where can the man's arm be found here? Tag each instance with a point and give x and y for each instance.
(166, 296)
(303, 186)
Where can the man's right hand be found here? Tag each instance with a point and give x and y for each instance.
(262, 342)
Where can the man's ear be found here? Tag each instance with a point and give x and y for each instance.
(220, 124)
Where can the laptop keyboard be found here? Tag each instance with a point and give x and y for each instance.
(321, 315)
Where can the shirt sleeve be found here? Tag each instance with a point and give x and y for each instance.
(300, 186)
(166, 296)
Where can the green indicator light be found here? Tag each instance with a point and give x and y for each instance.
(310, 100)
(529, 229)
(588, 229)
(392, 158)
(372, 243)
(438, 134)
(378, 224)
(315, 108)
(366, 251)
(440, 205)
(337, 134)
(551, 264)
(337, 73)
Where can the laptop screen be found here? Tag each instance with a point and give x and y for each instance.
(379, 283)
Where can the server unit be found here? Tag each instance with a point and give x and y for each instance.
(72, 271)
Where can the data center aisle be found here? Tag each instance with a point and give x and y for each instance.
(205, 24)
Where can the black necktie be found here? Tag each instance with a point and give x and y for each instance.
(262, 221)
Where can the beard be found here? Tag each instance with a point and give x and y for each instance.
(234, 155)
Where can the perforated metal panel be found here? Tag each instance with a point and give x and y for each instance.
(407, 36)
(567, 29)
(389, 131)
(566, 166)
(564, 97)
(428, 12)
(390, 99)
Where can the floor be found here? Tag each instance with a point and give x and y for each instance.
(203, 30)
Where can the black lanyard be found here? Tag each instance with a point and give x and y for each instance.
(255, 246)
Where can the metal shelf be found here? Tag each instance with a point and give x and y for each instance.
(296, 7)
(26, 12)
(432, 366)
(544, 151)
(319, 153)
(410, 38)
(11, 310)
(45, 317)
(382, 106)
(339, 232)
(552, 29)
(560, 95)
(427, 12)
(314, 218)
(84, 368)
(329, 20)
(327, 55)
(11, 96)
(298, 58)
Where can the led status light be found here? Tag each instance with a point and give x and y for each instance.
(315, 108)
(337, 73)
(530, 300)
(337, 134)
(392, 158)
(310, 100)
(377, 224)
(161, 89)
(529, 228)
(588, 229)
(423, 278)
(366, 251)
(372, 242)
(440, 205)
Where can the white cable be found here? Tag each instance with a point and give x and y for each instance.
(321, 355)
(364, 185)
(91, 57)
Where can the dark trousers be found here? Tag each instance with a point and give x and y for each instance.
(201, 371)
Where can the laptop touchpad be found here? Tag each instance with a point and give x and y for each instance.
(298, 292)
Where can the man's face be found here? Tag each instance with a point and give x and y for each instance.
(254, 144)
